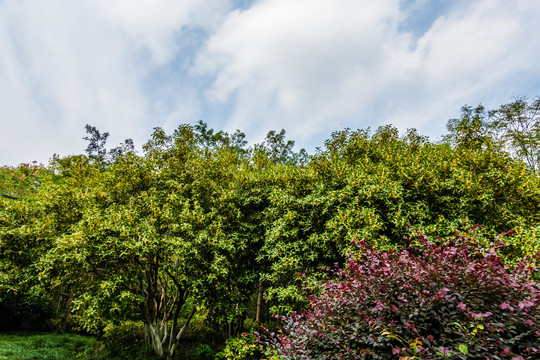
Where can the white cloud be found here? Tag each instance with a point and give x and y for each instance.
(68, 68)
(309, 66)
(156, 24)
(64, 64)
(285, 56)
(312, 66)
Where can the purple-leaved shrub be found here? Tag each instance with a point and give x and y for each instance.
(453, 300)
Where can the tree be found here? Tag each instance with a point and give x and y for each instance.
(199, 223)
(277, 150)
(96, 143)
(518, 126)
(471, 131)
(158, 232)
(24, 179)
(97, 151)
(31, 226)
(363, 187)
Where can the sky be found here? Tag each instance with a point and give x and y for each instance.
(310, 67)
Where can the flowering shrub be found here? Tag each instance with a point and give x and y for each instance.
(455, 300)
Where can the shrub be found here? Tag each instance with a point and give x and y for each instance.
(525, 242)
(453, 300)
(125, 340)
(243, 347)
(24, 311)
(200, 352)
(124, 333)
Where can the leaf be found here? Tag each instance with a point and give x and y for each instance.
(464, 349)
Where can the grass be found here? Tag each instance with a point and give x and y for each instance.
(52, 346)
(47, 346)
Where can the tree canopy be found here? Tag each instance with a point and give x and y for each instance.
(202, 223)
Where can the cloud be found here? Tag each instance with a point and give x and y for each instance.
(314, 66)
(309, 66)
(65, 64)
(157, 25)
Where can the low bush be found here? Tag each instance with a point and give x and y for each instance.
(243, 347)
(198, 352)
(124, 333)
(24, 311)
(452, 300)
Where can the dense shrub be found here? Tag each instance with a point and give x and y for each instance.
(243, 347)
(124, 333)
(452, 300)
(199, 352)
(24, 311)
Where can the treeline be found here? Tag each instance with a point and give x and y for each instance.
(200, 224)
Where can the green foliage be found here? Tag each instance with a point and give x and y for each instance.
(200, 352)
(185, 236)
(517, 125)
(24, 311)
(244, 347)
(524, 242)
(199, 330)
(513, 127)
(124, 340)
(472, 131)
(96, 143)
(373, 188)
(24, 179)
(96, 150)
(124, 333)
(278, 151)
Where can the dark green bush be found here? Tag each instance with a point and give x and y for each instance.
(199, 352)
(124, 333)
(24, 311)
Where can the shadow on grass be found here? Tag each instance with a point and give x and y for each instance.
(51, 346)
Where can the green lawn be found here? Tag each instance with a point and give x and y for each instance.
(41, 346)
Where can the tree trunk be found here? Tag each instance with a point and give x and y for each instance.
(174, 344)
(259, 303)
(155, 339)
(68, 307)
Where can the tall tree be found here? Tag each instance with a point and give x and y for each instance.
(96, 149)
(280, 151)
(471, 131)
(517, 124)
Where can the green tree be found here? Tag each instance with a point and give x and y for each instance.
(200, 223)
(24, 179)
(31, 226)
(517, 124)
(278, 150)
(152, 232)
(472, 130)
(96, 149)
(374, 188)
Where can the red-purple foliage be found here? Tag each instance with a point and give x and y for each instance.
(453, 300)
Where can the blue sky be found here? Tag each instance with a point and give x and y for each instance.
(309, 66)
